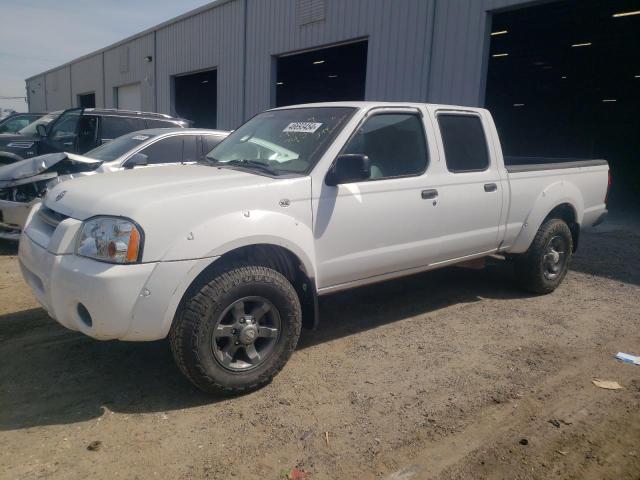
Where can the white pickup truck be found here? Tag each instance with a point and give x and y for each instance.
(228, 258)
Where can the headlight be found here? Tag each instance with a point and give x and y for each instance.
(110, 239)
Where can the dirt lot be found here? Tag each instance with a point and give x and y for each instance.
(440, 375)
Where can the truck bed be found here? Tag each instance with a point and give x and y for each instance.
(529, 164)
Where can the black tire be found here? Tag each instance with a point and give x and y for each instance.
(213, 300)
(533, 271)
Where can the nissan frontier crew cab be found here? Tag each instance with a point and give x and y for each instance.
(228, 257)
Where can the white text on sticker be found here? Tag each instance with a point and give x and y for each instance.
(302, 127)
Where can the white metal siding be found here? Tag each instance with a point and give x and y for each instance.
(421, 50)
(137, 70)
(398, 33)
(86, 77)
(212, 39)
(36, 94)
(58, 89)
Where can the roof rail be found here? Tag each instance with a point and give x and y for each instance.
(134, 112)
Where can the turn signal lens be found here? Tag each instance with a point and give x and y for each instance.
(134, 246)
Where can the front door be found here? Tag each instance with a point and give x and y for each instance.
(63, 134)
(380, 225)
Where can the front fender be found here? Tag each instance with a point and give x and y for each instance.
(225, 233)
(558, 193)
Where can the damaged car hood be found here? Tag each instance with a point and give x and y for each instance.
(44, 167)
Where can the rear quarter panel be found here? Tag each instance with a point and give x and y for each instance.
(534, 194)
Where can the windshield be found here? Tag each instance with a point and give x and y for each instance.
(116, 148)
(282, 141)
(46, 120)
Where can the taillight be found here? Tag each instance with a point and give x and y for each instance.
(609, 182)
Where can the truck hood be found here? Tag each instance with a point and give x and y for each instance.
(128, 193)
(44, 167)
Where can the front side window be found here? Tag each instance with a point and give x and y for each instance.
(394, 143)
(465, 146)
(281, 142)
(189, 148)
(211, 141)
(14, 124)
(66, 127)
(31, 129)
(110, 151)
(166, 150)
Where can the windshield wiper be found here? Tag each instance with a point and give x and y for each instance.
(250, 164)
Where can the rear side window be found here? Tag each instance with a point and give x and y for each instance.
(465, 146)
(113, 127)
(394, 143)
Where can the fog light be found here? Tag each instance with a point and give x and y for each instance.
(84, 314)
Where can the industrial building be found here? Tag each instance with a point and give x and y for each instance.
(561, 77)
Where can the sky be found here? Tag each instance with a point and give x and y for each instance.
(36, 35)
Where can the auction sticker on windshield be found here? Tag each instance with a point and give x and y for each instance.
(302, 127)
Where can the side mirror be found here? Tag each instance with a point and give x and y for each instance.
(136, 160)
(41, 129)
(349, 168)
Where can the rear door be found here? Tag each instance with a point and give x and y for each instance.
(469, 191)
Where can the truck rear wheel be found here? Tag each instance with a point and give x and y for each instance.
(543, 267)
(235, 331)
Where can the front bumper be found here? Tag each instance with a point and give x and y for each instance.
(106, 301)
(13, 216)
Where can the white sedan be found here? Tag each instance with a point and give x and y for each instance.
(24, 183)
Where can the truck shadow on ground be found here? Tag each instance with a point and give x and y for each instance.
(51, 376)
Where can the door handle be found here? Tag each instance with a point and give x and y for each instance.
(429, 194)
(490, 187)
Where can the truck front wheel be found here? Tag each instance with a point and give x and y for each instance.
(543, 267)
(235, 331)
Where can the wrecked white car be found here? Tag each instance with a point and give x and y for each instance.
(24, 183)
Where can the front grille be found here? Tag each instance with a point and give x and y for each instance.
(51, 217)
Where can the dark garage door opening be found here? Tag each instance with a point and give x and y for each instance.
(326, 75)
(87, 100)
(195, 98)
(564, 80)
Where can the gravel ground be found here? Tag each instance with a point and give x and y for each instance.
(452, 374)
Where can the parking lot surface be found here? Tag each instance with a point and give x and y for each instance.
(449, 374)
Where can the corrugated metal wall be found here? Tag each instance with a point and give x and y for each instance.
(218, 35)
(36, 94)
(86, 77)
(398, 33)
(125, 65)
(418, 50)
(58, 88)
